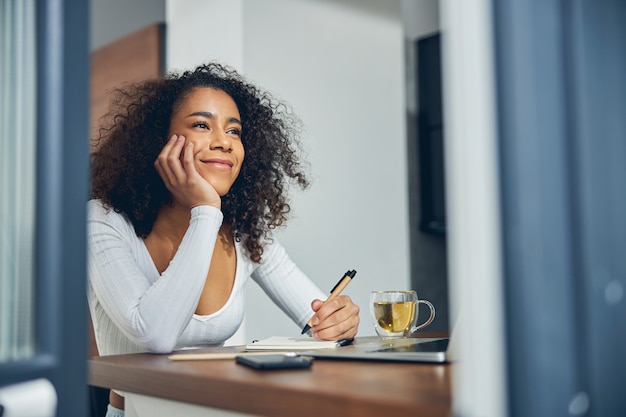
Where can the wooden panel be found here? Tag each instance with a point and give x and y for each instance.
(137, 56)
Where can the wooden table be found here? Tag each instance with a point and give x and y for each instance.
(328, 388)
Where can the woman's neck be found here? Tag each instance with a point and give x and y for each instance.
(168, 231)
(172, 222)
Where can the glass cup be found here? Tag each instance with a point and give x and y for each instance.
(395, 313)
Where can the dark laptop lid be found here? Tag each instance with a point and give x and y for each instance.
(433, 350)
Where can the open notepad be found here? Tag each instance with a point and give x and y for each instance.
(292, 344)
(275, 344)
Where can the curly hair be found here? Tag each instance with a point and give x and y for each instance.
(124, 177)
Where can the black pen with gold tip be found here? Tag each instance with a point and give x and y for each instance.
(337, 289)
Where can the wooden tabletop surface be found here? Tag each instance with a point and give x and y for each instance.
(329, 387)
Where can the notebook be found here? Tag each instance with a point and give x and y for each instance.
(292, 344)
(374, 348)
(275, 344)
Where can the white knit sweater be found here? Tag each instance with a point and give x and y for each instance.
(136, 309)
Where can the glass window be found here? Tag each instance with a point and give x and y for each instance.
(18, 122)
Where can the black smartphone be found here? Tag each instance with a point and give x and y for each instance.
(274, 361)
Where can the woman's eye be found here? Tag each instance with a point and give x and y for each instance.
(201, 125)
(234, 131)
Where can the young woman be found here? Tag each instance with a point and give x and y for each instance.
(188, 181)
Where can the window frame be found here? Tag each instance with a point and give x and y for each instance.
(62, 190)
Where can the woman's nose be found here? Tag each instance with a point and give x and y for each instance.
(221, 140)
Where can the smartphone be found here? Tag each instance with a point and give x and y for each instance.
(274, 361)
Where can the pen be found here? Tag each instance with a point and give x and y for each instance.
(343, 283)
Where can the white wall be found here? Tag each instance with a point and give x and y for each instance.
(340, 65)
(113, 19)
(420, 17)
(201, 30)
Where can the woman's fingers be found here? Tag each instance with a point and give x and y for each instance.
(169, 164)
(175, 164)
(162, 164)
(336, 319)
(188, 164)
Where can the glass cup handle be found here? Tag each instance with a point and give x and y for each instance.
(430, 319)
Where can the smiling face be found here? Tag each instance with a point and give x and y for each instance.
(210, 119)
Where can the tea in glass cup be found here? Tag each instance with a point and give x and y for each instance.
(395, 313)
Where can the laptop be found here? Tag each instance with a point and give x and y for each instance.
(374, 348)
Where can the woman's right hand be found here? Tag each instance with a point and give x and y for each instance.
(175, 165)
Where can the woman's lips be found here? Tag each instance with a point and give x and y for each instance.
(219, 163)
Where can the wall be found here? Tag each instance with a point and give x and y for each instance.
(112, 19)
(199, 31)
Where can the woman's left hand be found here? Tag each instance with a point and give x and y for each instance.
(335, 320)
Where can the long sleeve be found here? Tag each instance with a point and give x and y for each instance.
(287, 286)
(152, 310)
